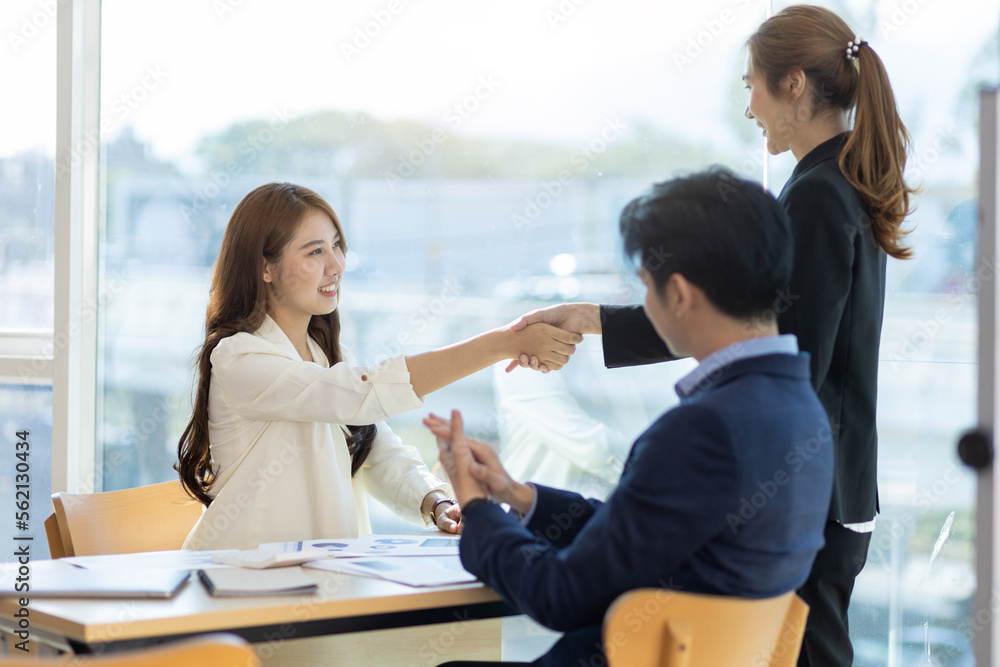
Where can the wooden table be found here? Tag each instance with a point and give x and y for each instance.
(350, 620)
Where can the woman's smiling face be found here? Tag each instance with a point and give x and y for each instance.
(305, 281)
(774, 116)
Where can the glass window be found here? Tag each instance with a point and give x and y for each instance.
(475, 181)
(27, 194)
(27, 165)
(25, 417)
(478, 158)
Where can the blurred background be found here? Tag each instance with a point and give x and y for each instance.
(478, 156)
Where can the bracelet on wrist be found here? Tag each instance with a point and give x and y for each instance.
(434, 507)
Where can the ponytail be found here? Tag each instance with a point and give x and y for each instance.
(873, 158)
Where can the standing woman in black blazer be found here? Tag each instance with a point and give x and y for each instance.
(808, 74)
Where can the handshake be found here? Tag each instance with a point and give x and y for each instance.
(550, 351)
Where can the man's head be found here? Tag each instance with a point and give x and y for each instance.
(714, 250)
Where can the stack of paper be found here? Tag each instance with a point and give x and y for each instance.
(431, 544)
(409, 570)
(427, 559)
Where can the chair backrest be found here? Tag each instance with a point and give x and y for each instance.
(146, 518)
(56, 548)
(216, 650)
(654, 627)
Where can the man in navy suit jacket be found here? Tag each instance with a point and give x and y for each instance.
(725, 494)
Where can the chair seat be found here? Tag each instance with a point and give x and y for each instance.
(663, 628)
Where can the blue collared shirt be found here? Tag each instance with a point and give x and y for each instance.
(744, 349)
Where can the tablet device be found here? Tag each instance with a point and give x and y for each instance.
(80, 583)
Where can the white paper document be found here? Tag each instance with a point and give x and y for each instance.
(409, 570)
(430, 544)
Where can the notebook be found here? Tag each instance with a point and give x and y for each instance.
(227, 582)
(80, 583)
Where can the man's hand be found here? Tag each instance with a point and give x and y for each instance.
(502, 487)
(487, 469)
(456, 457)
(581, 318)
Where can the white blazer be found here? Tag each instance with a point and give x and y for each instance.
(283, 472)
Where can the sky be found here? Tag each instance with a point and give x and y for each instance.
(555, 70)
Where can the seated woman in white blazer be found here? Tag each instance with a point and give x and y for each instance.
(286, 437)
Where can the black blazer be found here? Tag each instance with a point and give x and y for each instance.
(833, 305)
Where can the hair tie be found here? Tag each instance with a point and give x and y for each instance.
(853, 46)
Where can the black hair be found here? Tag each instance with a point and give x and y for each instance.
(726, 235)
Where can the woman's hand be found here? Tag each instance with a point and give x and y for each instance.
(551, 345)
(446, 513)
(581, 318)
(449, 520)
(485, 467)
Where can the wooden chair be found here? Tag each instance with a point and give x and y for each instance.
(215, 650)
(146, 518)
(654, 627)
(56, 548)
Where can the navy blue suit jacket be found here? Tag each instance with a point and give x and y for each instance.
(727, 493)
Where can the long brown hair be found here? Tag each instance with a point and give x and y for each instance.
(873, 158)
(262, 224)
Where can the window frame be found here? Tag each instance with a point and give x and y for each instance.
(74, 338)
